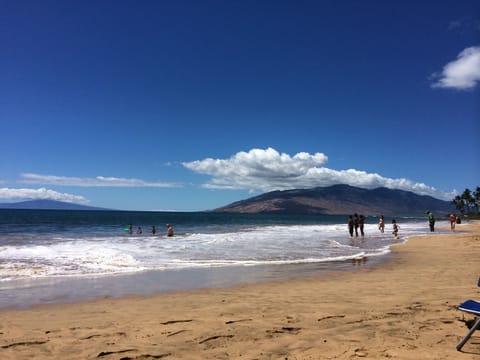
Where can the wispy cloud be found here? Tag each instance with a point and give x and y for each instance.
(99, 181)
(462, 73)
(268, 170)
(11, 194)
(465, 25)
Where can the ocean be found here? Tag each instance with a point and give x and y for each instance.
(49, 256)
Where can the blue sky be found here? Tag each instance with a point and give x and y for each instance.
(191, 105)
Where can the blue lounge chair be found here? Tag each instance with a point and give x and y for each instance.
(471, 307)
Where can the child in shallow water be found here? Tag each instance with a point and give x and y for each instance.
(169, 230)
(381, 224)
(395, 228)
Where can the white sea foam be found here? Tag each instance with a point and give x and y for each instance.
(61, 255)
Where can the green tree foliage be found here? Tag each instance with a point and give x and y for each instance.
(459, 204)
(468, 202)
(476, 195)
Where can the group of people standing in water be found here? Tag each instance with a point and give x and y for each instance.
(153, 232)
(357, 222)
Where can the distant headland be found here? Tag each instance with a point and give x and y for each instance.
(47, 205)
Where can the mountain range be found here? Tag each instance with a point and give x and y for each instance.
(333, 200)
(341, 200)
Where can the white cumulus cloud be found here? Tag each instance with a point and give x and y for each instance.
(99, 181)
(12, 194)
(462, 73)
(259, 169)
(268, 170)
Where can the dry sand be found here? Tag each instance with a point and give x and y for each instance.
(402, 309)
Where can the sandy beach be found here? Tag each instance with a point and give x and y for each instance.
(404, 308)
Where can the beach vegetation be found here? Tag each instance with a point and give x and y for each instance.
(468, 202)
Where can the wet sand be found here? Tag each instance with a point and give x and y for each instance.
(403, 308)
(25, 293)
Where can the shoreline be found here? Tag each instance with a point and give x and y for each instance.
(403, 308)
(24, 294)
